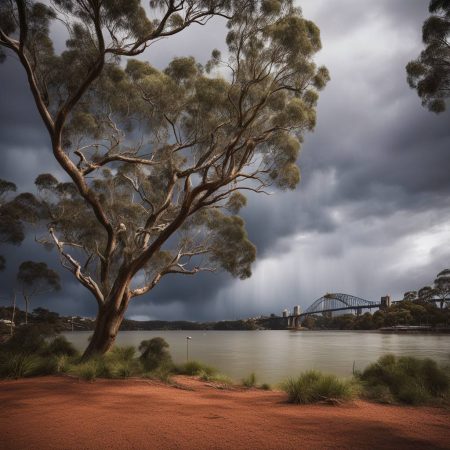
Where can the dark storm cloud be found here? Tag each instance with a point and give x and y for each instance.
(371, 215)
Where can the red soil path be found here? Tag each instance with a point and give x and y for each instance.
(64, 413)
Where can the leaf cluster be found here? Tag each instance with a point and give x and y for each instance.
(429, 74)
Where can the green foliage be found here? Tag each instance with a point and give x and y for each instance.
(429, 74)
(152, 149)
(230, 245)
(266, 387)
(405, 379)
(36, 277)
(419, 312)
(19, 365)
(154, 354)
(219, 378)
(91, 369)
(62, 363)
(11, 227)
(249, 381)
(34, 350)
(162, 373)
(121, 363)
(314, 386)
(29, 339)
(59, 346)
(196, 368)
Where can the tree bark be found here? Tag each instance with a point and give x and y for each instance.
(13, 313)
(108, 321)
(27, 301)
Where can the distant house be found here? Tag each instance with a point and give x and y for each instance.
(6, 322)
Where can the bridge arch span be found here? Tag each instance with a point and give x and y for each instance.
(337, 302)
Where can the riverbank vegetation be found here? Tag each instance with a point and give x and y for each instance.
(414, 313)
(405, 380)
(35, 350)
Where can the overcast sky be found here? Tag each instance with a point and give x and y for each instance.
(371, 215)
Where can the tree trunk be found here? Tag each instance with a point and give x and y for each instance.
(13, 313)
(27, 300)
(107, 325)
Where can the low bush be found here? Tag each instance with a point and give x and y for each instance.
(29, 339)
(218, 378)
(61, 363)
(314, 386)
(154, 354)
(122, 354)
(93, 368)
(249, 381)
(117, 363)
(405, 379)
(19, 365)
(195, 368)
(266, 387)
(59, 346)
(162, 373)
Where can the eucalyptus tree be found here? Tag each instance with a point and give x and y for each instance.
(159, 160)
(11, 229)
(429, 74)
(36, 278)
(442, 286)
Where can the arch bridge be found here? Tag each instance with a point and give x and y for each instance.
(330, 303)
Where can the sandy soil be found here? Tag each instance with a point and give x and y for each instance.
(64, 413)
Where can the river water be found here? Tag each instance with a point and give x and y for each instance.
(277, 355)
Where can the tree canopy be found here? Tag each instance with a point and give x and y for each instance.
(159, 159)
(36, 278)
(429, 74)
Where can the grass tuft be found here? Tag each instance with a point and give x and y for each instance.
(249, 381)
(195, 368)
(314, 386)
(20, 365)
(218, 378)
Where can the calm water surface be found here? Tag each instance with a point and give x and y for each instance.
(276, 355)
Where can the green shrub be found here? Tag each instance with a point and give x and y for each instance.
(29, 339)
(122, 353)
(249, 381)
(121, 363)
(59, 346)
(162, 373)
(314, 386)
(93, 368)
(154, 353)
(407, 379)
(20, 365)
(87, 370)
(218, 378)
(62, 363)
(195, 368)
(266, 387)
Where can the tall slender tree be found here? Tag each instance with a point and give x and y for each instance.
(35, 278)
(159, 160)
(442, 286)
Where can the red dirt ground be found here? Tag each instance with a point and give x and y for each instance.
(64, 413)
